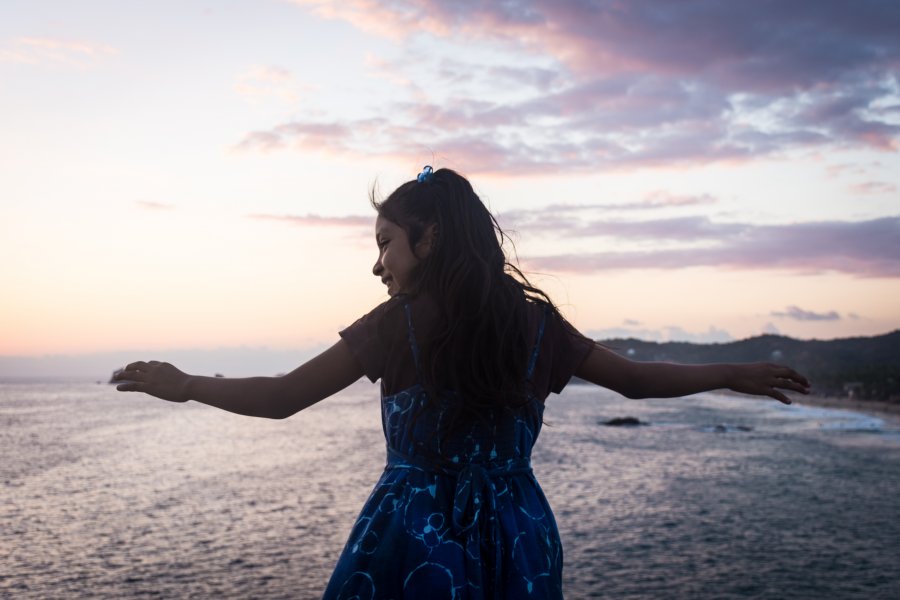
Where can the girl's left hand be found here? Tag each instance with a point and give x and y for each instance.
(766, 379)
(155, 378)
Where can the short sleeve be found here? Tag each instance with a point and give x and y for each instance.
(367, 342)
(565, 348)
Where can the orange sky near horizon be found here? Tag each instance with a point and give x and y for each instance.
(211, 191)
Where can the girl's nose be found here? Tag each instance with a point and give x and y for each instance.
(377, 269)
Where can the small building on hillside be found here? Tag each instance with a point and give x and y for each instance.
(854, 389)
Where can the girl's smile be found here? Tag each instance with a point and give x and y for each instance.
(396, 259)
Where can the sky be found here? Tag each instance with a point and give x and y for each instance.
(181, 177)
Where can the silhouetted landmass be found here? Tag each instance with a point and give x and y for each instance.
(861, 367)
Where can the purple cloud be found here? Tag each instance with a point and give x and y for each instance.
(671, 333)
(677, 228)
(760, 45)
(662, 199)
(864, 248)
(557, 216)
(648, 82)
(798, 314)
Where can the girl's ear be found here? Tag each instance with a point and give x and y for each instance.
(427, 241)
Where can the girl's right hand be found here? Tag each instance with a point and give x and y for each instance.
(155, 378)
(766, 379)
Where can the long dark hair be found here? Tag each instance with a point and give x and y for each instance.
(479, 348)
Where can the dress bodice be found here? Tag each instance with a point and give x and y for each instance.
(414, 427)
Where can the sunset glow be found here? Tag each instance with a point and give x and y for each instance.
(196, 175)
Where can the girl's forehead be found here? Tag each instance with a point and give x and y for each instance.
(385, 227)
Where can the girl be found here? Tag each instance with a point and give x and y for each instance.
(467, 350)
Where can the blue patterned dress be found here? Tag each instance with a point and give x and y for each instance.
(461, 517)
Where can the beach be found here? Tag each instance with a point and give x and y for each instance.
(888, 410)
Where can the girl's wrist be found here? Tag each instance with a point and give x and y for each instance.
(730, 376)
(187, 388)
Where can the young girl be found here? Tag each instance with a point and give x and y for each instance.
(467, 351)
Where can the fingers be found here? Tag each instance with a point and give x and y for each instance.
(155, 378)
(142, 365)
(779, 396)
(132, 386)
(789, 379)
(138, 371)
(798, 379)
(128, 374)
(791, 385)
(791, 375)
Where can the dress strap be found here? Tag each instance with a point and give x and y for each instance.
(413, 346)
(537, 344)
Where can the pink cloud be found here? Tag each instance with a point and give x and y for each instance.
(270, 82)
(663, 199)
(311, 220)
(874, 187)
(315, 136)
(38, 50)
(150, 205)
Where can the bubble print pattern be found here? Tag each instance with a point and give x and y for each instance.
(456, 516)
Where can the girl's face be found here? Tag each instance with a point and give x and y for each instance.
(396, 260)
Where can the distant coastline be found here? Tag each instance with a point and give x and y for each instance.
(857, 371)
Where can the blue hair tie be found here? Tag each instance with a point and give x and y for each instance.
(426, 175)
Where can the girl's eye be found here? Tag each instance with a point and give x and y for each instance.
(383, 243)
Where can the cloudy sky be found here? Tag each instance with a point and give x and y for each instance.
(194, 175)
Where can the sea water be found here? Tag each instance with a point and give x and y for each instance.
(111, 495)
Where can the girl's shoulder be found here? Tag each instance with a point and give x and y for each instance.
(377, 338)
(562, 349)
(389, 322)
(386, 309)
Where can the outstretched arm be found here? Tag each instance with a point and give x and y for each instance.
(667, 380)
(270, 397)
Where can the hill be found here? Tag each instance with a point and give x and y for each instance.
(866, 367)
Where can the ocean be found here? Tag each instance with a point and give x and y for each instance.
(111, 495)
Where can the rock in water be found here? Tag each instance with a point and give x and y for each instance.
(623, 422)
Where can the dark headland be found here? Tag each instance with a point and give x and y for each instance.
(863, 369)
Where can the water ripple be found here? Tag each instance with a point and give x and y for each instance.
(107, 496)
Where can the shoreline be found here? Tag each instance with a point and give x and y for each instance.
(887, 410)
